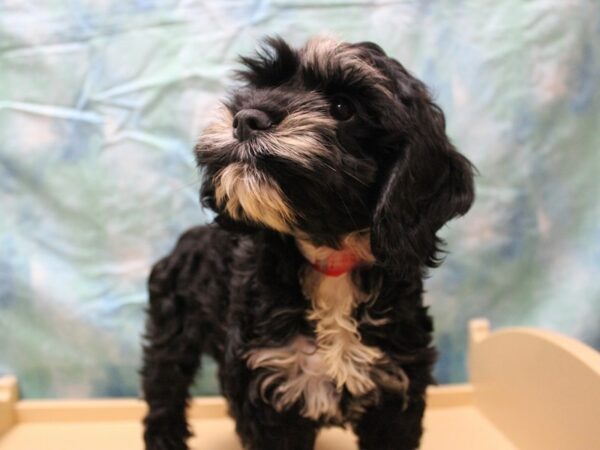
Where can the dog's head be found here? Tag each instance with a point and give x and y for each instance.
(330, 139)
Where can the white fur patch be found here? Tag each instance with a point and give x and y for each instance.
(298, 372)
(347, 359)
(317, 370)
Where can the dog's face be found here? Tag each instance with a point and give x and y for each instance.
(330, 139)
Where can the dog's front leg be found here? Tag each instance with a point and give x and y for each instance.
(265, 429)
(171, 357)
(258, 424)
(392, 425)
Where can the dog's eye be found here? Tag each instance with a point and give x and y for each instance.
(341, 109)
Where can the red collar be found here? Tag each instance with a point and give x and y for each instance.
(336, 264)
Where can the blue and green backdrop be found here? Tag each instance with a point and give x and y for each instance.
(101, 102)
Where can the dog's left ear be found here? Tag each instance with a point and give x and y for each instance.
(428, 183)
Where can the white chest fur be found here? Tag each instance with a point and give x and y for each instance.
(316, 370)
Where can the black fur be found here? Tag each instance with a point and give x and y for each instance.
(233, 286)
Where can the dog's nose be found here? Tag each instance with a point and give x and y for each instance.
(248, 121)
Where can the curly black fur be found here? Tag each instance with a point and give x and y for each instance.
(234, 286)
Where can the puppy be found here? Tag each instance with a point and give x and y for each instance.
(330, 174)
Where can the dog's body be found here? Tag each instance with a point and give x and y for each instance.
(330, 173)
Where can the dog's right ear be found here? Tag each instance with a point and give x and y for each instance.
(428, 183)
(410, 211)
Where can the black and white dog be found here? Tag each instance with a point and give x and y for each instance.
(330, 173)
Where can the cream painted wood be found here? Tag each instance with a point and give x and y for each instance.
(529, 390)
(538, 387)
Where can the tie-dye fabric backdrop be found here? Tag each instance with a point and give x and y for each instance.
(100, 104)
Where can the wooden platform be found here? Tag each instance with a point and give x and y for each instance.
(529, 390)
